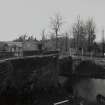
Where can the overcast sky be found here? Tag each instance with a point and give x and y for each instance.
(20, 16)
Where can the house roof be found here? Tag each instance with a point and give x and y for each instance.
(19, 44)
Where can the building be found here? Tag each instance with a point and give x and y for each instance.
(30, 46)
(23, 48)
(15, 47)
(3, 46)
(20, 48)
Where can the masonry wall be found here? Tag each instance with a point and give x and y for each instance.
(28, 73)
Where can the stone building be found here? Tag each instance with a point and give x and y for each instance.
(30, 46)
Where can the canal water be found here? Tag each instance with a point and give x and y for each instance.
(89, 88)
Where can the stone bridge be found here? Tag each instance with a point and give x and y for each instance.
(86, 67)
(68, 66)
(45, 69)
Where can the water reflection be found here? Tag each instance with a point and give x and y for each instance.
(90, 88)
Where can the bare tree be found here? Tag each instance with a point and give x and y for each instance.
(25, 37)
(56, 24)
(79, 35)
(90, 31)
(21, 38)
(31, 38)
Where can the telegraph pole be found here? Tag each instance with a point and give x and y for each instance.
(103, 42)
(66, 42)
(56, 40)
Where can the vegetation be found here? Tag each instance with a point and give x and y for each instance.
(24, 37)
(84, 35)
(21, 84)
(56, 24)
(81, 39)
